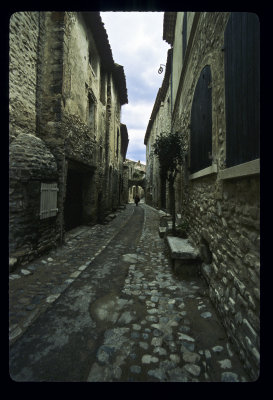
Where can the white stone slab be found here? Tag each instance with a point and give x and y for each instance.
(52, 298)
(75, 274)
(25, 272)
(181, 248)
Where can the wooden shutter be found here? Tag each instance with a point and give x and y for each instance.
(201, 123)
(48, 202)
(242, 88)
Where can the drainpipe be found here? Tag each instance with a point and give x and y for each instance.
(171, 84)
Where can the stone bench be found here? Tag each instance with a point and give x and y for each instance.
(185, 257)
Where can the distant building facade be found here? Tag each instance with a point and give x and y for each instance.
(136, 179)
(160, 122)
(213, 85)
(67, 145)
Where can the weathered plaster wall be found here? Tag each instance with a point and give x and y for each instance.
(177, 53)
(161, 124)
(23, 45)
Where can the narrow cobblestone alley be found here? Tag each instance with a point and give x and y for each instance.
(106, 307)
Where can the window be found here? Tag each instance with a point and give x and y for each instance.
(201, 123)
(93, 56)
(91, 110)
(48, 200)
(117, 148)
(242, 88)
(102, 86)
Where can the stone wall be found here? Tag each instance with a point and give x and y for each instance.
(31, 163)
(53, 81)
(161, 124)
(125, 189)
(223, 214)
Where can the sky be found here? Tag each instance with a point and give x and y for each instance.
(136, 42)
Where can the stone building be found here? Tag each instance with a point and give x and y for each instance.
(123, 165)
(67, 145)
(136, 179)
(160, 121)
(214, 94)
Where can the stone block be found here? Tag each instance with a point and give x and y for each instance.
(186, 259)
(206, 270)
(12, 263)
(250, 331)
(162, 231)
(181, 249)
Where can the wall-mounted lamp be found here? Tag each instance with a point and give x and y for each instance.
(161, 69)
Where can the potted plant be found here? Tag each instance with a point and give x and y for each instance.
(182, 230)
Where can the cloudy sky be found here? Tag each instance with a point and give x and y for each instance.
(136, 42)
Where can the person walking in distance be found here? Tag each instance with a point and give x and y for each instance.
(137, 199)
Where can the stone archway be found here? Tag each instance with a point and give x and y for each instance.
(136, 186)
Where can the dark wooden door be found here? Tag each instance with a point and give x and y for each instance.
(73, 208)
(242, 88)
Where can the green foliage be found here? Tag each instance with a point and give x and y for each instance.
(168, 149)
(138, 174)
(182, 229)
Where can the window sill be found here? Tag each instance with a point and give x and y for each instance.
(203, 172)
(246, 169)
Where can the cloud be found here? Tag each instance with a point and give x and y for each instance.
(137, 115)
(136, 42)
(136, 149)
(138, 90)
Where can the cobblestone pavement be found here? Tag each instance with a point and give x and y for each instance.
(153, 326)
(35, 286)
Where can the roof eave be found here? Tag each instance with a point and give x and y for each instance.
(169, 26)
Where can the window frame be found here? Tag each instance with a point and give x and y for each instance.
(242, 152)
(48, 200)
(194, 172)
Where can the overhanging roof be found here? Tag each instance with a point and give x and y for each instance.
(119, 77)
(124, 139)
(169, 26)
(160, 95)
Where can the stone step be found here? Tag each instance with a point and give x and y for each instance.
(170, 226)
(110, 217)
